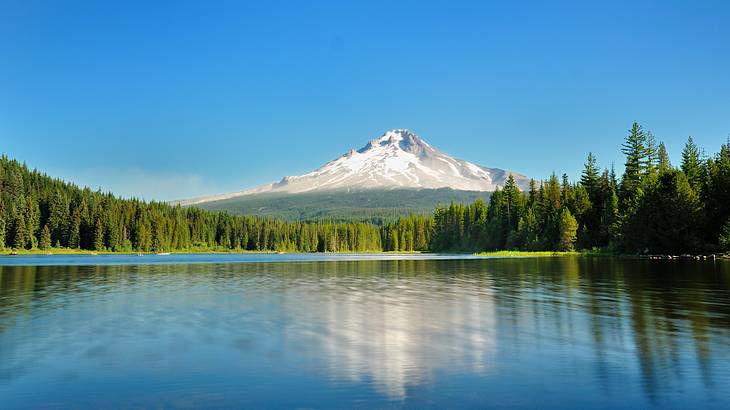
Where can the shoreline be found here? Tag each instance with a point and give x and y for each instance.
(539, 254)
(686, 256)
(67, 252)
(502, 253)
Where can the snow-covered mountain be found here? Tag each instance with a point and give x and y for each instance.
(398, 159)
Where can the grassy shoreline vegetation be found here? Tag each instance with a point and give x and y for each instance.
(527, 254)
(653, 208)
(502, 253)
(223, 251)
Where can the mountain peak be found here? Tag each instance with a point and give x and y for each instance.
(400, 138)
(398, 134)
(396, 159)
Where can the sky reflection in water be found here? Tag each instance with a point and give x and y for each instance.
(547, 332)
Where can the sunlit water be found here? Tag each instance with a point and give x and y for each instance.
(364, 331)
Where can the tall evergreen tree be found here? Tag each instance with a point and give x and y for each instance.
(691, 164)
(512, 201)
(99, 234)
(568, 230)
(45, 239)
(74, 237)
(663, 163)
(634, 148)
(32, 220)
(652, 154)
(532, 196)
(549, 213)
(589, 177)
(58, 217)
(20, 233)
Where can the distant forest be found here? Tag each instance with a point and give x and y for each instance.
(654, 207)
(37, 211)
(377, 206)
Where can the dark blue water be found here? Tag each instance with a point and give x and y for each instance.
(344, 331)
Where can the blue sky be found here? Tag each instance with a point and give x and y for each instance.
(185, 98)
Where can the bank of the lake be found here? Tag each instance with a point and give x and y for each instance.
(602, 253)
(486, 254)
(66, 251)
(533, 254)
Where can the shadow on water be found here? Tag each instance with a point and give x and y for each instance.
(410, 332)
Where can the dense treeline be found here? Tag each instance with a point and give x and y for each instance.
(411, 233)
(37, 211)
(655, 207)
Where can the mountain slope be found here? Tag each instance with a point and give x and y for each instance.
(398, 159)
(370, 205)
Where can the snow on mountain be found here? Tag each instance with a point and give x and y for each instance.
(398, 159)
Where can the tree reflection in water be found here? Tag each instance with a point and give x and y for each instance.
(396, 325)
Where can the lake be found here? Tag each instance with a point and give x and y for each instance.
(363, 331)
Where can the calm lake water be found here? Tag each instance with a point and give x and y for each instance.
(363, 331)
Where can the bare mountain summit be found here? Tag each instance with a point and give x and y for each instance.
(398, 159)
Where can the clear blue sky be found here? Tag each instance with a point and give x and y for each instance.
(184, 98)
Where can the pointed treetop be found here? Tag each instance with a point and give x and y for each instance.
(663, 163)
(589, 177)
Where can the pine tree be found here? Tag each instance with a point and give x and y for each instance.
(532, 196)
(32, 220)
(663, 163)
(612, 177)
(652, 154)
(564, 189)
(634, 147)
(511, 201)
(568, 230)
(20, 234)
(589, 177)
(45, 240)
(99, 234)
(595, 186)
(58, 217)
(74, 237)
(552, 194)
(393, 243)
(691, 164)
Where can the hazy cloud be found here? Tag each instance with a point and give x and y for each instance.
(144, 184)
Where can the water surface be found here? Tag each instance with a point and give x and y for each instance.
(365, 331)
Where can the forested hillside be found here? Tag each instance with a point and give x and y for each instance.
(37, 211)
(377, 206)
(654, 207)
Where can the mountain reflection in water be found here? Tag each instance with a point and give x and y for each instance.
(395, 334)
(548, 332)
